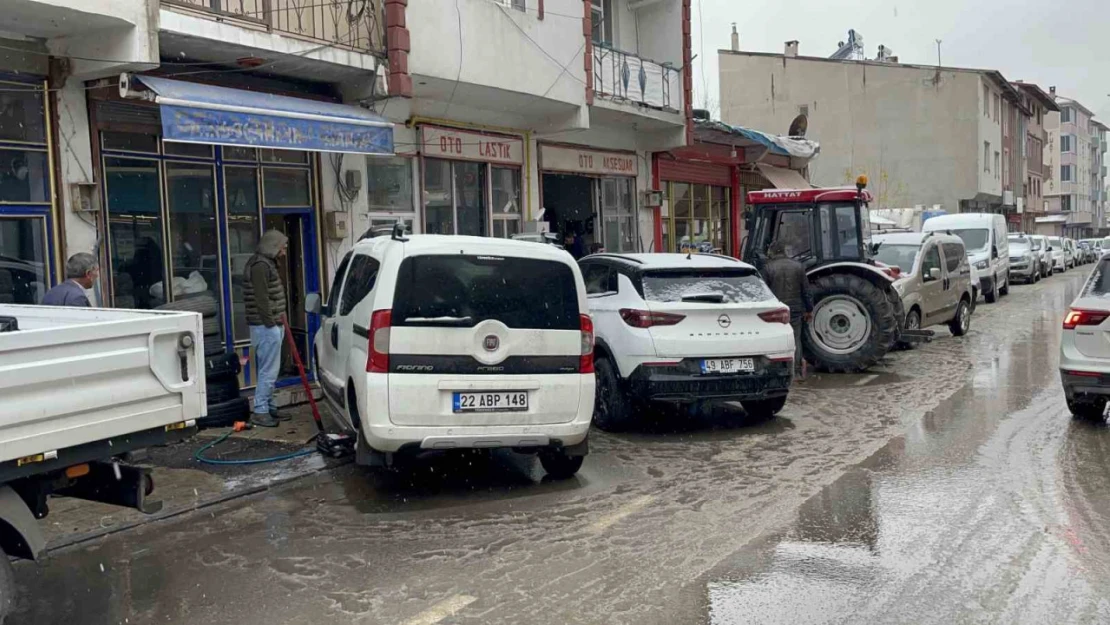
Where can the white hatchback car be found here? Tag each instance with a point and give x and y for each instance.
(1085, 345)
(684, 329)
(449, 342)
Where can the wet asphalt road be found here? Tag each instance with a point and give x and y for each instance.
(948, 485)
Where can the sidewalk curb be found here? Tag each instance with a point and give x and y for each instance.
(77, 539)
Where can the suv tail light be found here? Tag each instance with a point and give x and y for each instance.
(648, 319)
(779, 315)
(586, 360)
(1081, 317)
(378, 348)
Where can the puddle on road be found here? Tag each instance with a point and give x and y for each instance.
(961, 519)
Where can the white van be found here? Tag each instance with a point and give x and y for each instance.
(988, 247)
(453, 342)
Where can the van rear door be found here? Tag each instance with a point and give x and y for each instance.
(484, 340)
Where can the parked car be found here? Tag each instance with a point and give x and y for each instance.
(450, 342)
(1069, 253)
(1040, 250)
(984, 235)
(1025, 262)
(1085, 346)
(1090, 249)
(685, 328)
(1057, 252)
(935, 284)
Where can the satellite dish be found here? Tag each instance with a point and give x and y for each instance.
(798, 126)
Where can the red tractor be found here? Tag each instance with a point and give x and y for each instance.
(857, 315)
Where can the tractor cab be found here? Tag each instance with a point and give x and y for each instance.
(857, 314)
(817, 226)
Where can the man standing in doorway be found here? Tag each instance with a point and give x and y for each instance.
(82, 271)
(264, 297)
(788, 281)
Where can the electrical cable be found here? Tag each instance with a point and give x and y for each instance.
(200, 457)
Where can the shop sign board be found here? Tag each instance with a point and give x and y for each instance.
(472, 146)
(587, 161)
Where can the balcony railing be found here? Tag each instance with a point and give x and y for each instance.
(354, 24)
(625, 77)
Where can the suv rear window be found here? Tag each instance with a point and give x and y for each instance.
(737, 286)
(463, 291)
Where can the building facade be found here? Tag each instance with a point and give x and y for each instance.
(1073, 155)
(1039, 104)
(500, 116)
(925, 135)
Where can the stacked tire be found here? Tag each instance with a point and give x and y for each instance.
(221, 367)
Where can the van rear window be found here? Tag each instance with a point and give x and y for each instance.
(728, 286)
(463, 291)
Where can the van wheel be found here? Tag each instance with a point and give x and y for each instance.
(7, 587)
(559, 465)
(961, 323)
(1004, 290)
(612, 406)
(991, 296)
(764, 408)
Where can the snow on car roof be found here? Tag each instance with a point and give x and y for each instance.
(452, 243)
(677, 261)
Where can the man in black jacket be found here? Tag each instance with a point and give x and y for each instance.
(265, 303)
(788, 281)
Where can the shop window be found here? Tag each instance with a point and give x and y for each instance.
(682, 213)
(134, 207)
(22, 116)
(24, 176)
(286, 187)
(439, 202)
(129, 142)
(270, 155)
(236, 153)
(23, 269)
(506, 202)
(700, 220)
(470, 198)
(700, 236)
(194, 235)
(389, 183)
(722, 230)
(195, 150)
(619, 227)
(241, 189)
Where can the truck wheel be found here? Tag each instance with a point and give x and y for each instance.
(899, 309)
(612, 406)
(559, 465)
(7, 587)
(853, 324)
(764, 408)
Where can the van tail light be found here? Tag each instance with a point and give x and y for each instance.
(648, 319)
(1081, 317)
(378, 348)
(779, 315)
(586, 360)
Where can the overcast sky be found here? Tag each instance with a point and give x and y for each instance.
(1030, 40)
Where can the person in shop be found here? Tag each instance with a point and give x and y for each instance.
(145, 269)
(787, 279)
(82, 271)
(265, 303)
(575, 242)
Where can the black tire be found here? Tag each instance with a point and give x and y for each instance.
(991, 296)
(559, 465)
(7, 588)
(899, 313)
(213, 346)
(227, 413)
(961, 323)
(223, 389)
(612, 405)
(764, 408)
(913, 322)
(884, 323)
(1086, 410)
(1004, 290)
(226, 363)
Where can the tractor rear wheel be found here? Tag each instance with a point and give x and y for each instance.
(853, 326)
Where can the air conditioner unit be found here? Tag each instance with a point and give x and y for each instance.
(651, 198)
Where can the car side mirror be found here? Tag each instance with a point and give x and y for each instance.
(314, 305)
(934, 273)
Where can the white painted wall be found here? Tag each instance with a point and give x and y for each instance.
(76, 167)
(990, 130)
(914, 131)
(659, 32)
(116, 30)
(500, 47)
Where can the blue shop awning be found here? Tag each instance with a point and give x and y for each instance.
(196, 113)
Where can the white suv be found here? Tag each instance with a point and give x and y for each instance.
(685, 328)
(1085, 346)
(449, 342)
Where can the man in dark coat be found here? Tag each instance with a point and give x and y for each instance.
(264, 299)
(788, 281)
(82, 271)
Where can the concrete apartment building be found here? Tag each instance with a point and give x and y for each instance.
(321, 118)
(924, 134)
(1039, 104)
(1074, 154)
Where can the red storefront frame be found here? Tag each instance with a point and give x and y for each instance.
(702, 163)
